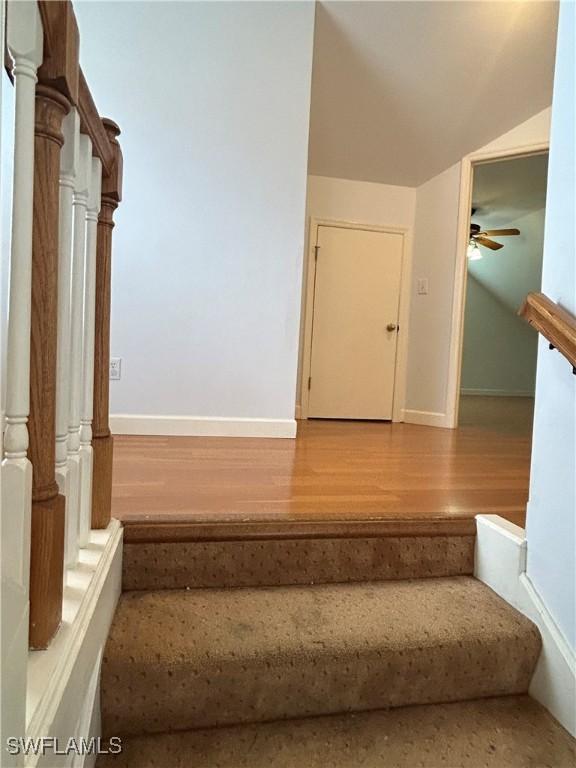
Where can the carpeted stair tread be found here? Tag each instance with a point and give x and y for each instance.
(177, 660)
(506, 732)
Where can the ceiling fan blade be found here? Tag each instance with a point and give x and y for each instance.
(488, 243)
(501, 232)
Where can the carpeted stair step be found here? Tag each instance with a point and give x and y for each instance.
(193, 556)
(186, 659)
(505, 732)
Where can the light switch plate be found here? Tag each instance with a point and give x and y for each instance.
(422, 286)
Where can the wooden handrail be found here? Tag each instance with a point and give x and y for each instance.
(60, 68)
(67, 168)
(91, 124)
(554, 323)
(102, 442)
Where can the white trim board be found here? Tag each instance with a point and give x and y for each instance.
(461, 268)
(200, 426)
(495, 393)
(500, 562)
(425, 418)
(62, 680)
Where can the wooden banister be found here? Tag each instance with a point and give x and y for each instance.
(44, 47)
(102, 442)
(91, 125)
(554, 323)
(61, 43)
(47, 530)
(60, 67)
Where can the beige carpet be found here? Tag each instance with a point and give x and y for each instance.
(260, 563)
(507, 732)
(184, 659)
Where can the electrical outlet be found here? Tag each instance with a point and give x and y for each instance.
(115, 368)
(422, 286)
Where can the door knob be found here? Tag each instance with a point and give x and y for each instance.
(391, 327)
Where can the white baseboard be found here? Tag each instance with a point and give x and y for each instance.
(500, 563)
(426, 418)
(63, 680)
(200, 426)
(496, 393)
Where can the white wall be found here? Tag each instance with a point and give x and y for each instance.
(434, 258)
(552, 507)
(353, 201)
(213, 100)
(360, 201)
(499, 349)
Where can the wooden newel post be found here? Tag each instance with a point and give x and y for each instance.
(101, 435)
(47, 532)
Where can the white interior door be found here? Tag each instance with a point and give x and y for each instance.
(355, 320)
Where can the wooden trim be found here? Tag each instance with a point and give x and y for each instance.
(160, 530)
(102, 447)
(61, 86)
(501, 565)
(554, 323)
(48, 15)
(47, 526)
(92, 125)
(58, 678)
(461, 270)
(201, 426)
(59, 68)
(425, 418)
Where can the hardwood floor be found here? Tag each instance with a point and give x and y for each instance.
(334, 470)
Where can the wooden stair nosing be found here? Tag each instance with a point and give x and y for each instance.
(150, 531)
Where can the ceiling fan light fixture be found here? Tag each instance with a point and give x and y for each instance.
(473, 253)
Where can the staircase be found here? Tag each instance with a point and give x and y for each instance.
(344, 650)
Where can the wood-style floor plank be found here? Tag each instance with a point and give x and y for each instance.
(334, 470)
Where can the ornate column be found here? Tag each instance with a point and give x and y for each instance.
(80, 203)
(47, 532)
(101, 436)
(86, 453)
(25, 44)
(67, 475)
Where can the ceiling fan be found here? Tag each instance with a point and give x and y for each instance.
(478, 236)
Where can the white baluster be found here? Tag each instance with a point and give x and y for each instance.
(24, 38)
(67, 474)
(80, 201)
(88, 351)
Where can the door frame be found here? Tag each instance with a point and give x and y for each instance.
(399, 397)
(461, 268)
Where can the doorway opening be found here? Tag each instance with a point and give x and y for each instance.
(504, 264)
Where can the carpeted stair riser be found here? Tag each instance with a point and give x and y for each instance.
(256, 563)
(179, 660)
(507, 732)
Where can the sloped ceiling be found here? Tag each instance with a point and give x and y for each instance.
(402, 90)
